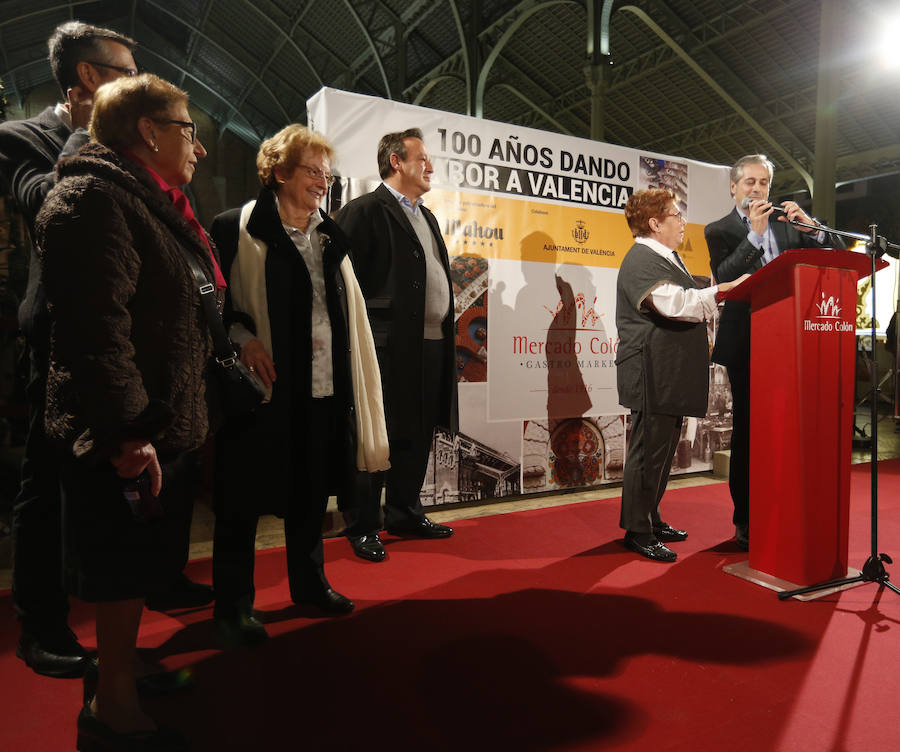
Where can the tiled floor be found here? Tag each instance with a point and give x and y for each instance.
(270, 533)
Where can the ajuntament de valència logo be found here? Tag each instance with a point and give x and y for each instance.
(828, 318)
(580, 232)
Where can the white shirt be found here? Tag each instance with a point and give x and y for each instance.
(674, 301)
(310, 248)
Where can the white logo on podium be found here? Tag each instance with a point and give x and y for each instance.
(829, 317)
(829, 309)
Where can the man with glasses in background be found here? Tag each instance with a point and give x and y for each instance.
(403, 269)
(82, 58)
(741, 242)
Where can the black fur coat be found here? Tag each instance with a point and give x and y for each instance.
(129, 345)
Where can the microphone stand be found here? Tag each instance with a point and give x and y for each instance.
(873, 570)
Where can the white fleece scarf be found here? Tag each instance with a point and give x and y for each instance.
(248, 294)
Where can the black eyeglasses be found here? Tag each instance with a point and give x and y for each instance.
(130, 72)
(183, 124)
(316, 174)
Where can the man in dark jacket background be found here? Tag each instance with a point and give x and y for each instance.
(403, 268)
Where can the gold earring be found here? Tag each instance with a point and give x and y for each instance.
(154, 147)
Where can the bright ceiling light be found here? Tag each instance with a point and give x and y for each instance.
(888, 49)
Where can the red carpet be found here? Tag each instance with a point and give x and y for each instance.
(528, 631)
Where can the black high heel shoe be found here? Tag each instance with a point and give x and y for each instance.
(96, 736)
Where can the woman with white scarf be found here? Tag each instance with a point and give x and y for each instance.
(298, 319)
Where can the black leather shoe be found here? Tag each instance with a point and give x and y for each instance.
(240, 629)
(58, 655)
(423, 528)
(657, 551)
(96, 736)
(742, 537)
(182, 593)
(668, 534)
(368, 547)
(157, 684)
(329, 600)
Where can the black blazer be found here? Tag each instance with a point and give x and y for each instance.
(730, 256)
(29, 152)
(390, 266)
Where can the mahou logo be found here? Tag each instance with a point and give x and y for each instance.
(829, 309)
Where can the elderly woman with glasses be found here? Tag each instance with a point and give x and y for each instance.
(126, 390)
(662, 364)
(299, 321)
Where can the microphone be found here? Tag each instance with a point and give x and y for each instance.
(745, 205)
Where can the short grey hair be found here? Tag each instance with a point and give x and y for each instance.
(737, 170)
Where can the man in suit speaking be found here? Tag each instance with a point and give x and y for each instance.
(403, 269)
(740, 243)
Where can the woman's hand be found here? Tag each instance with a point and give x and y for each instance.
(255, 357)
(726, 286)
(136, 456)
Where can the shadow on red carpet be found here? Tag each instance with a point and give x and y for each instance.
(527, 631)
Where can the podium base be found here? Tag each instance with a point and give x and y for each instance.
(743, 570)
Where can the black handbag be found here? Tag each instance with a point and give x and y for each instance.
(240, 391)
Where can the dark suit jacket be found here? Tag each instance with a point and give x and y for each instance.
(730, 256)
(29, 152)
(390, 266)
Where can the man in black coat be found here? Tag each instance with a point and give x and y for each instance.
(403, 268)
(83, 58)
(740, 243)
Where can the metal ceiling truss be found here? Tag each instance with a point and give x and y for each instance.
(484, 39)
(206, 38)
(250, 134)
(712, 31)
(286, 38)
(193, 41)
(381, 37)
(526, 10)
(394, 37)
(719, 89)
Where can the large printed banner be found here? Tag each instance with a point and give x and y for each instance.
(535, 228)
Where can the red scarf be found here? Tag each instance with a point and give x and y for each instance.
(180, 201)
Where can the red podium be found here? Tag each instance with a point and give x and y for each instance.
(802, 371)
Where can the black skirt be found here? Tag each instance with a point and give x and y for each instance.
(109, 555)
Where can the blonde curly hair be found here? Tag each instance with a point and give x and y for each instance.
(284, 150)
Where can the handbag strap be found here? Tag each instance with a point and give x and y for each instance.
(223, 349)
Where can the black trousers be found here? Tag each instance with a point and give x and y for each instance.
(409, 459)
(234, 549)
(651, 448)
(739, 466)
(39, 597)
